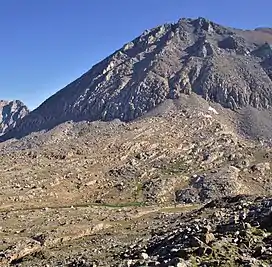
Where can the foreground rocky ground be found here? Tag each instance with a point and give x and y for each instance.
(233, 231)
(134, 194)
(225, 232)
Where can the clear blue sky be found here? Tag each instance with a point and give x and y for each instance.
(45, 44)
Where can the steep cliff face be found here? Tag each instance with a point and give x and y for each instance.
(10, 113)
(229, 66)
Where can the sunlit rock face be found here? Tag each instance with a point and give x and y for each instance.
(10, 113)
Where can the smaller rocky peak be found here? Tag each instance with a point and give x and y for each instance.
(14, 104)
(264, 51)
(10, 113)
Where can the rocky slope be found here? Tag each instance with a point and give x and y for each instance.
(118, 194)
(10, 114)
(226, 232)
(229, 66)
(188, 155)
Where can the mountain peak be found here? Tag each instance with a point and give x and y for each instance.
(229, 66)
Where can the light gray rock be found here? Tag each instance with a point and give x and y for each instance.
(10, 113)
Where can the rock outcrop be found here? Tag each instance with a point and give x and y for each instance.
(226, 232)
(229, 66)
(10, 113)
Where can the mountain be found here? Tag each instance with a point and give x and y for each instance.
(232, 67)
(10, 114)
(144, 161)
